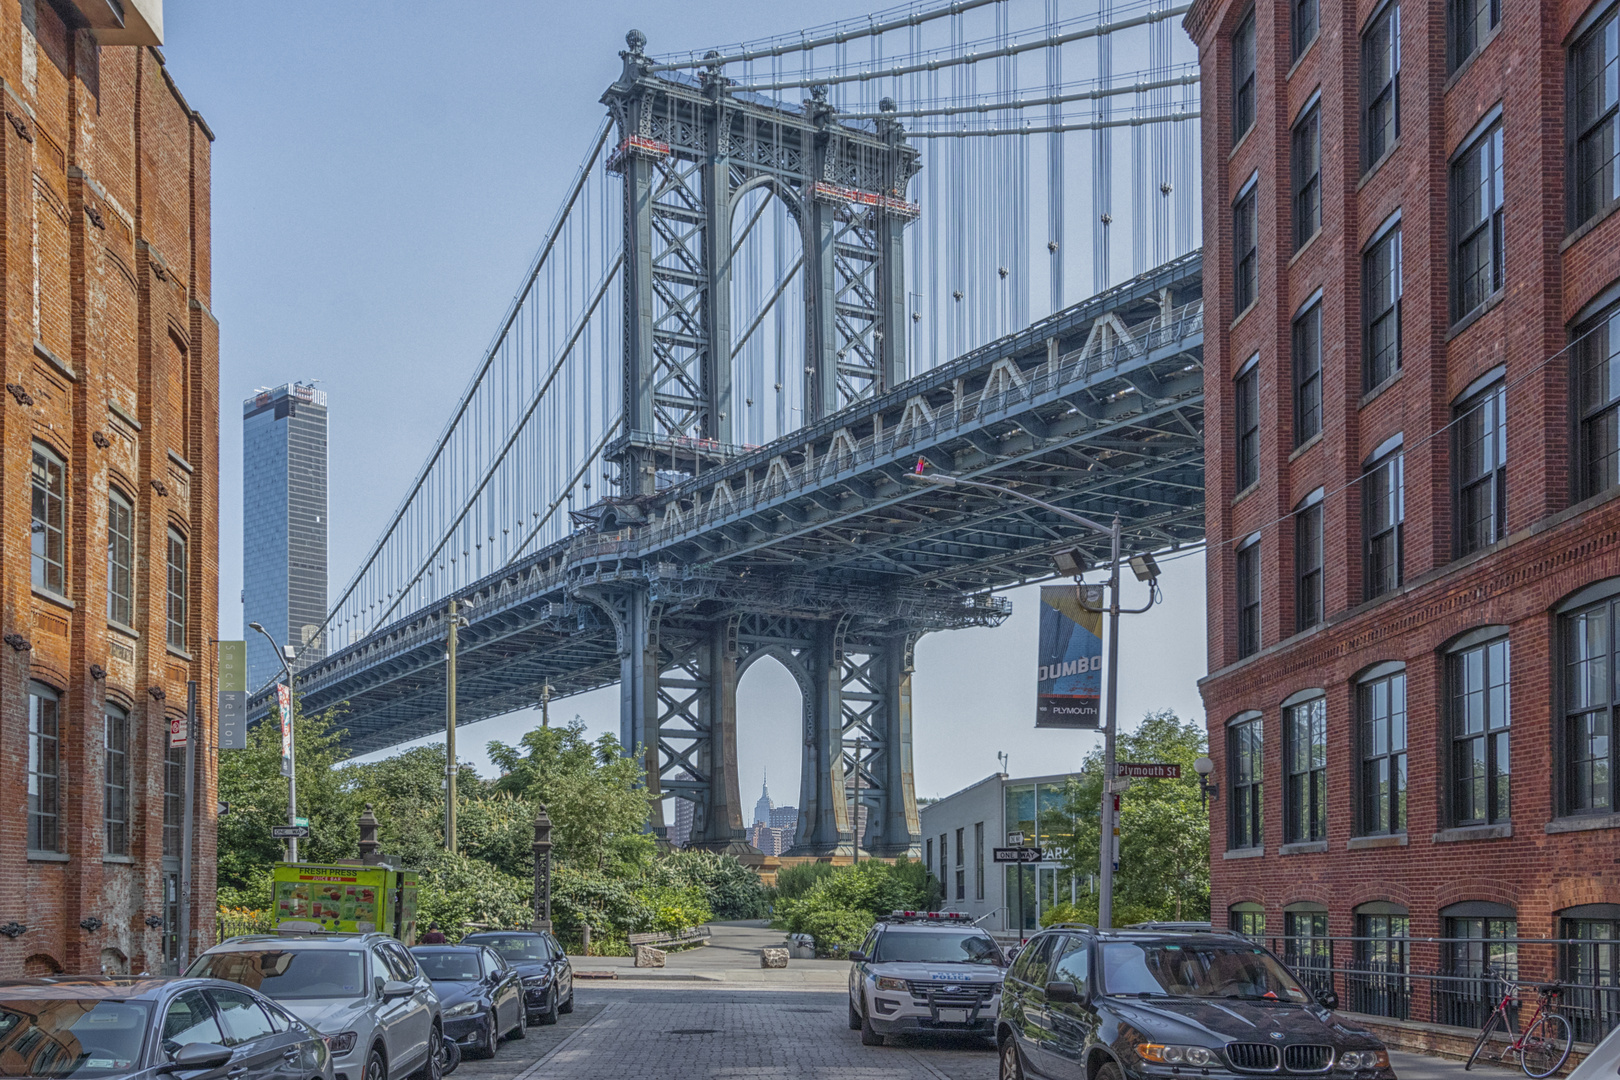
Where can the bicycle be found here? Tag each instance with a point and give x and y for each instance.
(1544, 1046)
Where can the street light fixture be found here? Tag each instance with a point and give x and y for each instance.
(1207, 788)
(283, 655)
(1146, 570)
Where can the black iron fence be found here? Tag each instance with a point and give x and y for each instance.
(1457, 981)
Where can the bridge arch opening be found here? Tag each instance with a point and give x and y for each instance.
(770, 741)
(767, 312)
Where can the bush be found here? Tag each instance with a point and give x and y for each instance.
(730, 889)
(669, 910)
(793, 882)
(457, 892)
(836, 930)
(842, 903)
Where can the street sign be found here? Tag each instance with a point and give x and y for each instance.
(302, 821)
(289, 832)
(232, 706)
(224, 808)
(1148, 770)
(177, 731)
(1015, 839)
(1017, 854)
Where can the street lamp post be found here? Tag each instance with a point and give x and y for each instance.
(1148, 571)
(292, 743)
(542, 871)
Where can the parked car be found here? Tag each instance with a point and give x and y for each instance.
(548, 978)
(1603, 1063)
(364, 992)
(480, 995)
(1151, 1004)
(926, 971)
(84, 1027)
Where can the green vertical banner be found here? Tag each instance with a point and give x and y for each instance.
(232, 710)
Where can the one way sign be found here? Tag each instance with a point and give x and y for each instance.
(1017, 854)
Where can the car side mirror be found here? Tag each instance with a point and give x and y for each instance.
(394, 988)
(1328, 999)
(1062, 993)
(857, 956)
(198, 1056)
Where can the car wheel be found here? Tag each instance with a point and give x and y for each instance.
(1012, 1066)
(433, 1068)
(567, 1006)
(854, 1018)
(491, 1038)
(549, 1016)
(869, 1035)
(521, 1030)
(452, 1056)
(1109, 1071)
(375, 1069)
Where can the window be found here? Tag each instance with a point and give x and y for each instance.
(189, 1020)
(1479, 945)
(1302, 26)
(1308, 601)
(1480, 466)
(1305, 783)
(46, 535)
(1591, 965)
(1243, 67)
(44, 768)
(174, 786)
(1478, 253)
(1478, 678)
(978, 861)
(115, 781)
(1594, 120)
(1244, 745)
(961, 875)
(1074, 963)
(1383, 515)
(1247, 414)
(1381, 309)
(1381, 709)
(1248, 919)
(1308, 374)
(244, 1021)
(1469, 23)
(1380, 85)
(1245, 250)
(1306, 948)
(1248, 598)
(120, 559)
(1589, 702)
(929, 856)
(177, 590)
(1597, 392)
(1377, 981)
(1307, 175)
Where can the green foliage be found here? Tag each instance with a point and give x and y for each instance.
(728, 888)
(836, 930)
(792, 882)
(840, 905)
(671, 910)
(1164, 828)
(460, 893)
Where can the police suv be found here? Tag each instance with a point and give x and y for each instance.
(925, 971)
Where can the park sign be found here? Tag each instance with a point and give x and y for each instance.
(1148, 771)
(1068, 681)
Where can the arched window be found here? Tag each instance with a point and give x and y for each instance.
(120, 558)
(47, 536)
(177, 590)
(1589, 653)
(44, 768)
(1479, 945)
(1305, 945)
(1381, 719)
(1477, 686)
(1248, 919)
(1305, 777)
(1245, 738)
(115, 781)
(1377, 981)
(1591, 965)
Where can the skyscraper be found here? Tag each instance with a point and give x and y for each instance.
(283, 524)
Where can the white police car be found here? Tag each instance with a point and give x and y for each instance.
(925, 972)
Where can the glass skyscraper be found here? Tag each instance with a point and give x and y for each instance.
(283, 525)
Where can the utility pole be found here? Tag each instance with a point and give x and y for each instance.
(855, 848)
(188, 823)
(282, 655)
(545, 705)
(450, 733)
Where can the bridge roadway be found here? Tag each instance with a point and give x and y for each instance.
(817, 550)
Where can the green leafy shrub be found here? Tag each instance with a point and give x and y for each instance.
(458, 892)
(730, 889)
(669, 910)
(793, 882)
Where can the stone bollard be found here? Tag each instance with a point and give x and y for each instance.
(649, 957)
(773, 958)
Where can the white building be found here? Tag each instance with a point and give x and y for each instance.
(960, 831)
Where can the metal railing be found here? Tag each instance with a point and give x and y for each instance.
(1454, 981)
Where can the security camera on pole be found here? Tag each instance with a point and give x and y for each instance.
(1074, 564)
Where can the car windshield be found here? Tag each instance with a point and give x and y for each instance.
(933, 947)
(1196, 970)
(517, 947)
(288, 974)
(71, 1037)
(450, 967)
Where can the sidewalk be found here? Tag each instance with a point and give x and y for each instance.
(732, 956)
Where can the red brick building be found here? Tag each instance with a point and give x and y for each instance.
(108, 486)
(1411, 274)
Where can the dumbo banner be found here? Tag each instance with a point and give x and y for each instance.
(1069, 681)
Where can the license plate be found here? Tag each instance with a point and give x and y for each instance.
(953, 1016)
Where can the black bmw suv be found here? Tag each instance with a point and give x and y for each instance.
(1085, 1004)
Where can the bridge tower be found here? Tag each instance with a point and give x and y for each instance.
(690, 148)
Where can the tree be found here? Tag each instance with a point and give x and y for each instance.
(406, 793)
(1164, 828)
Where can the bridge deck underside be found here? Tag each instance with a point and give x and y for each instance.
(1098, 408)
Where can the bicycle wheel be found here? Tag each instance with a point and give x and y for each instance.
(1484, 1036)
(1545, 1046)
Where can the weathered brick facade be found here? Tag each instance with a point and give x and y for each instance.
(110, 358)
(1558, 542)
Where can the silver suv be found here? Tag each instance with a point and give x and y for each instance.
(925, 971)
(364, 992)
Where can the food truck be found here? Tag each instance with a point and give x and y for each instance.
(341, 896)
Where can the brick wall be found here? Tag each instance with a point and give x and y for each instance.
(110, 356)
(1552, 549)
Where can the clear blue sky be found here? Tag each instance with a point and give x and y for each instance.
(382, 176)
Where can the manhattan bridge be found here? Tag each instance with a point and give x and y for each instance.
(784, 271)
